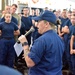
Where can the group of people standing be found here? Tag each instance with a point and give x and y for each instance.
(12, 26)
(9, 29)
(66, 31)
(52, 42)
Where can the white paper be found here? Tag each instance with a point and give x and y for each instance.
(18, 48)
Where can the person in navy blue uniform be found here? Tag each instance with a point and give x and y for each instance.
(63, 19)
(8, 29)
(13, 19)
(45, 55)
(72, 50)
(4, 70)
(27, 21)
(72, 45)
(67, 24)
(70, 57)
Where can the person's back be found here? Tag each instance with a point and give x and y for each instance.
(8, 71)
(51, 59)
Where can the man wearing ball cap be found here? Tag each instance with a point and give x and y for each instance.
(45, 55)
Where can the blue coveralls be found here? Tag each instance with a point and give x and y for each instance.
(66, 38)
(47, 52)
(69, 56)
(63, 20)
(27, 21)
(73, 55)
(7, 52)
(13, 19)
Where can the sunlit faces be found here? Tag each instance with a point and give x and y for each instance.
(13, 9)
(7, 17)
(64, 13)
(73, 11)
(57, 14)
(37, 12)
(7, 9)
(69, 15)
(41, 25)
(73, 19)
(25, 11)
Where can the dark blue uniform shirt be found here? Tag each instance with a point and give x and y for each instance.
(62, 22)
(27, 21)
(8, 29)
(73, 33)
(46, 53)
(67, 23)
(71, 29)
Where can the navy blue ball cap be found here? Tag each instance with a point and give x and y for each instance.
(48, 16)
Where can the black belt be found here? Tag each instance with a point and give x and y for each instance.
(7, 38)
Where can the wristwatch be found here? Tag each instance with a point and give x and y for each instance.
(25, 43)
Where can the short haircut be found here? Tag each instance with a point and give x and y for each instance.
(14, 5)
(25, 8)
(64, 9)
